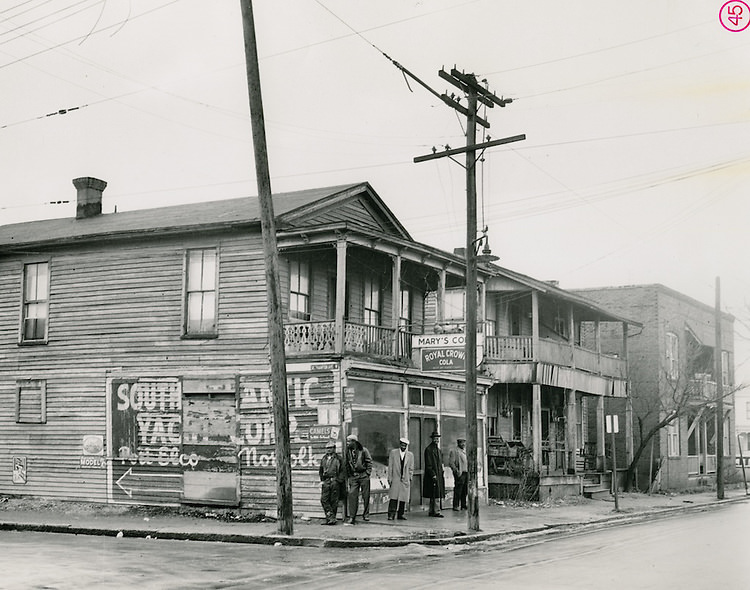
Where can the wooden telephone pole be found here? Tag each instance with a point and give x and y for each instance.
(271, 255)
(719, 370)
(476, 95)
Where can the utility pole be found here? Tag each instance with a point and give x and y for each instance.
(718, 369)
(475, 94)
(275, 323)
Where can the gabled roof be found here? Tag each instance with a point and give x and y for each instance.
(355, 203)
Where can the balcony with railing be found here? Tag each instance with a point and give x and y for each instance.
(310, 338)
(702, 389)
(521, 349)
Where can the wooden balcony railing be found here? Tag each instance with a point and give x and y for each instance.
(521, 348)
(313, 337)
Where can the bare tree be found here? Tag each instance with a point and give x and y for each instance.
(656, 405)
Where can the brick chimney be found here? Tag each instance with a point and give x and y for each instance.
(89, 201)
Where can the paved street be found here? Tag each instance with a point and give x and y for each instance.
(692, 550)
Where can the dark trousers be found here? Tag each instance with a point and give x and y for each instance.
(394, 506)
(329, 498)
(359, 485)
(461, 490)
(435, 505)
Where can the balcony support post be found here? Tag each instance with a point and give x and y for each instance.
(536, 424)
(440, 319)
(340, 294)
(570, 429)
(535, 325)
(395, 300)
(600, 463)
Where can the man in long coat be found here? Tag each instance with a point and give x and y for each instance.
(433, 486)
(399, 474)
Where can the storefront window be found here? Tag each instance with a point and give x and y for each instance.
(452, 428)
(452, 401)
(377, 393)
(379, 432)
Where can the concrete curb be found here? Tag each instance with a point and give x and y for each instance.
(457, 538)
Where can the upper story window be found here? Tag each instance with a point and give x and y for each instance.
(404, 320)
(372, 301)
(201, 292)
(35, 302)
(299, 289)
(673, 439)
(454, 305)
(726, 379)
(673, 356)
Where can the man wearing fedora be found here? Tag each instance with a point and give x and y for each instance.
(459, 465)
(399, 474)
(433, 486)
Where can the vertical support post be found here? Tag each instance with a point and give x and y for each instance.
(396, 301)
(614, 472)
(340, 295)
(535, 325)
(536, 425)
(440, 312)
(471, 312)
(270, 251)
(570, 429)
(600, 459)
(719, 397)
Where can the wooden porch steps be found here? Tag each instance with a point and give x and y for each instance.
(596, 485)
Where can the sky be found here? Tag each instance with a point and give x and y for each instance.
(635, 167)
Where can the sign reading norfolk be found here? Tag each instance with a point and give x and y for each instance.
(441, 352)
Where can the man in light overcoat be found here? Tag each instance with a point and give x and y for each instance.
(399, 475)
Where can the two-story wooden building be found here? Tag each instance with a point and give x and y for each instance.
(134, 356)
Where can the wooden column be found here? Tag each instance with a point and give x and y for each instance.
(396, 300)
(600, 432)
(536, 424)
(440, 305)
(570, 428)
(340, 294)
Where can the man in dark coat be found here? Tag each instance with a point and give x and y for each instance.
(434, 483)
(358, 463)
(331, 476)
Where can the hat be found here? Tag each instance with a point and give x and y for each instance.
(330, 444)
(435, 434)
(460, 440)
(404, 440)
(352, 437)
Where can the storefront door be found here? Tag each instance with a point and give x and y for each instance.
(420, 429)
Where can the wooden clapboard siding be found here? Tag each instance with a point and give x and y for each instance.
(116, 308)
(355, 212)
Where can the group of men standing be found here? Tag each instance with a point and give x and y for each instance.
(348, 477)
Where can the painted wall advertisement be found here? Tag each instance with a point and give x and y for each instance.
(166, 433)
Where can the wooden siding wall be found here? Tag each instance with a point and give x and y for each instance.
(120, 309)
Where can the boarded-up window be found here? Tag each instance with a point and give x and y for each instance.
(35, 302)
(201, 296)
(31, 402)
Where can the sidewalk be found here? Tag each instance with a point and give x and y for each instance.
(497, 520)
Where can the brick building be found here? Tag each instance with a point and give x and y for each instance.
(671, 367)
